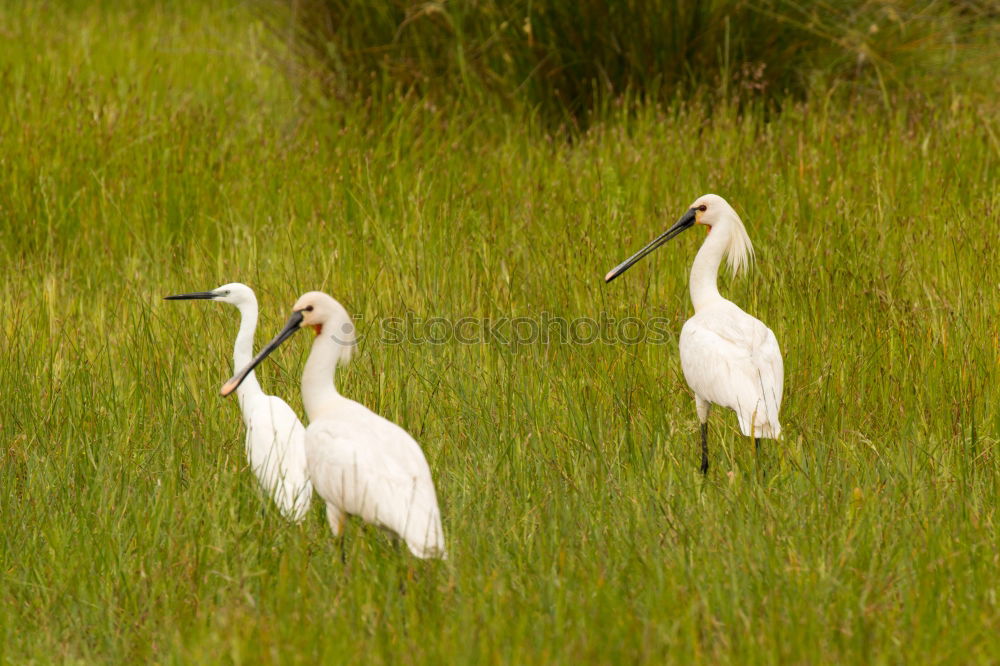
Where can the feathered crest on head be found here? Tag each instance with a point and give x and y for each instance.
(739, 252)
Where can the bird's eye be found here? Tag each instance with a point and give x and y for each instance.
(703, 208)
(308, 308)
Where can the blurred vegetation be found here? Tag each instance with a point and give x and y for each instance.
(566, 60)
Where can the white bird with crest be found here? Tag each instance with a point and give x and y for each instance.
(360, 463)
(729, 358)
(275, 441)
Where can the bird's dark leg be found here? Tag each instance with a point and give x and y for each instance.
(756, 457)
(397, 546)
(704, 448)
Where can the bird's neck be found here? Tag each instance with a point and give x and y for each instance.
(243, 350)
(319, 389)
(705, 270)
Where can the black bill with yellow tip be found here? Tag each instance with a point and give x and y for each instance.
(686, 222)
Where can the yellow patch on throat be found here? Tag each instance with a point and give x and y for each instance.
(697, 220)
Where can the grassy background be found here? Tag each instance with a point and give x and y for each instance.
(155, 150)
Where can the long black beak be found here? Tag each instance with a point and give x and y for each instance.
(291, 327)
(200, 295)
(686, 222)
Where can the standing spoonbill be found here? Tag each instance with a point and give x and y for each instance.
(275, 441)
(360, 463)
(729, 358)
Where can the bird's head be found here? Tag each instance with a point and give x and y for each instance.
(326, 317)
(315, 310)
(712, 211)
(234, 293)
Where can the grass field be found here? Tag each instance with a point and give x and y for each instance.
(154, 151)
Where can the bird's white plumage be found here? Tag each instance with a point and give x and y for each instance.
(275, 447)
(732, 359)
(367, 466)
(358, 462)
(729, 358)
(275, 439)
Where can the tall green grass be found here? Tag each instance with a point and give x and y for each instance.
(566, 60)
(172, 157)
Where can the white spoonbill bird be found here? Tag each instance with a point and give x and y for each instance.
(359, 462)
(275, 440)
(729, 358)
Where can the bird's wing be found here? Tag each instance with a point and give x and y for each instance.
(769, 357)
(732, 359)
(378, 473)
(275, 445)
